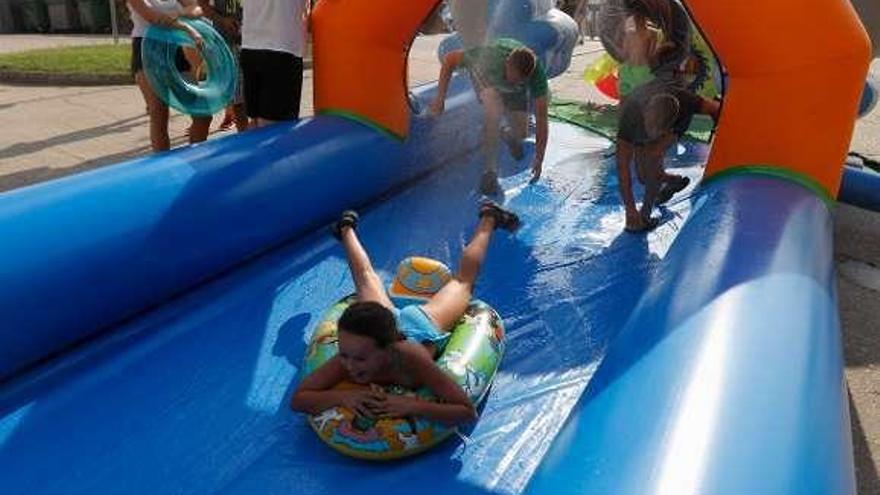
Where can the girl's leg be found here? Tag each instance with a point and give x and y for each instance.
(158, 113)
(228, 118)
(660, 151)
(199, 129)
(446, 306)
(624, 155)
(241, 118)
(493, 110)
(367, 283)
(515, 133)
(653, 168)
(519, 124)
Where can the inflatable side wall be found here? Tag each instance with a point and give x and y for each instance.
(728, 377)
(82, 253)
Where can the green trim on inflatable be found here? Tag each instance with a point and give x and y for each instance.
(363, 120)
(798, 178)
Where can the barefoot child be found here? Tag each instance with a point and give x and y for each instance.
(651, 38)
(507, 74)
(379, 344)
(652, 118)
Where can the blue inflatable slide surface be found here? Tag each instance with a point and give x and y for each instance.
(156, 314)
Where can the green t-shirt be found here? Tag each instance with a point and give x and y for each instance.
(487, 65)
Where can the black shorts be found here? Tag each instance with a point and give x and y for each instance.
(632, 127)
(515, 101)
(272, 84)
(137, 63)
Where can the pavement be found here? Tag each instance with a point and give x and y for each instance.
(49, 132)
(10, 43)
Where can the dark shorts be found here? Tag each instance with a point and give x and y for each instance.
(513, 102)
(137, 63)
(272, 84)
(632, 127)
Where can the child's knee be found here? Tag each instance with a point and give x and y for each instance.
(465, 283)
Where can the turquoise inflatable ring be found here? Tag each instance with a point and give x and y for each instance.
(215, 87)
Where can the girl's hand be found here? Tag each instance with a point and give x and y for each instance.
(363, 402)
(165, 20)
(196, 37)
(396, 406)
(192, 11)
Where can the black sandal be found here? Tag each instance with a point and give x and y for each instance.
(648, 224)
(504, 219)
(670, 189)
(349, 218)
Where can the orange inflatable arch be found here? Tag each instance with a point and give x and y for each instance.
(795, 68)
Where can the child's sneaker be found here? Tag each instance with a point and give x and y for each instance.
(671, 188)
(349, 218)
(504, 219)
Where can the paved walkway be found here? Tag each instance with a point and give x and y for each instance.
(20, 42)
(48, 132)
(55, 131)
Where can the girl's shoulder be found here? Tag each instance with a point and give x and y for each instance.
(412, 359)
(412, 352)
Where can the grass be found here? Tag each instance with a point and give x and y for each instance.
(94, 59)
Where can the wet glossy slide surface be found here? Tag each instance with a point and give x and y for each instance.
(192, 397)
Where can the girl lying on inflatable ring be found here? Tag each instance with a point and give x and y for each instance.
(379, 344)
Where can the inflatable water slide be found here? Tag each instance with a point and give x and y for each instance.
(155, 313)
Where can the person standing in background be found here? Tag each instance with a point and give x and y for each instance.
(273, 44)
(145, 13)
(226, 16)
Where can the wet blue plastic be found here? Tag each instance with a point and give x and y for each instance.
(100, 246)
(725, 378)
(159, 52)
(192, 397)
(728, 377)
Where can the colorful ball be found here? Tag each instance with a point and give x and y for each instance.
(423, 275)
(608, 86)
